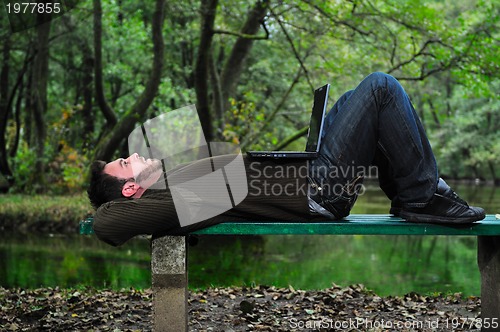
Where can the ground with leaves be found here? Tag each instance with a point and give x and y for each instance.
(238, 309)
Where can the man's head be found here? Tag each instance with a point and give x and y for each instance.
(120, 178)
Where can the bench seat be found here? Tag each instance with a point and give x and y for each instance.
(357, 224)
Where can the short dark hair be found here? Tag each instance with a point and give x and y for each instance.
(103, 187)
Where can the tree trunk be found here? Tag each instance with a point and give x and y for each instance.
(223, 85)
(106, 110)
(434, 112)
(17, 117)
(218, 101)
(235, 63)
(87, 79)
(17, 96)
(4, 111)
(250, 139)
(39, 97)
(491, 166)
(111, 142)
(208, 10)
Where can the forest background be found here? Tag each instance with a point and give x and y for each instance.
(73, 88)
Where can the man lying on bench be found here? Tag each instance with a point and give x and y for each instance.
(374, 124)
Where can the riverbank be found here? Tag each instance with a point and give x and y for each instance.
(43, 213)
(260, 308)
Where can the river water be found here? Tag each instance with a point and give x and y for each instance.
(387, 264)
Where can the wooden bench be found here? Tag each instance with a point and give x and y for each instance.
(169, 257)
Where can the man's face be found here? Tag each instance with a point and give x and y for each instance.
(131, 167)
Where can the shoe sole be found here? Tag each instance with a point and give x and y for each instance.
(430, 219)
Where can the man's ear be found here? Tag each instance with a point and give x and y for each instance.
(130, 188)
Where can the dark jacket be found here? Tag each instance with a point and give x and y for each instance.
(277, 191)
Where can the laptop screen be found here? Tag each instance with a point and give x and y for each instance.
(317, 117)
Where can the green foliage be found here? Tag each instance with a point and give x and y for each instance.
(242, 118)
(444, 52)
(470, 138)
(66, 165)
(68, 170)
(23, 165)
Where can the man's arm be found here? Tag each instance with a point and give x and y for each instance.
(117, 222)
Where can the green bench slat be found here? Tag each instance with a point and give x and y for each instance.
(372, 224)
(363, 224)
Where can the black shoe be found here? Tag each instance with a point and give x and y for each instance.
(445, 207)
(396, 207)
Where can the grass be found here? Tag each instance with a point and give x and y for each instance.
(18, 211)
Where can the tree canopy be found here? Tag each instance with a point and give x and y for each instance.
(73, 88)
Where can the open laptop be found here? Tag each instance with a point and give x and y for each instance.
(313, 134)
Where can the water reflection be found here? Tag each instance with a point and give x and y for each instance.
(39, 260)
(387, 264)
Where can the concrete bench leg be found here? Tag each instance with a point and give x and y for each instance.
(488, 259)
(169, 284)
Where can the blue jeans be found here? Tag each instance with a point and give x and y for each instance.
(374, 124)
